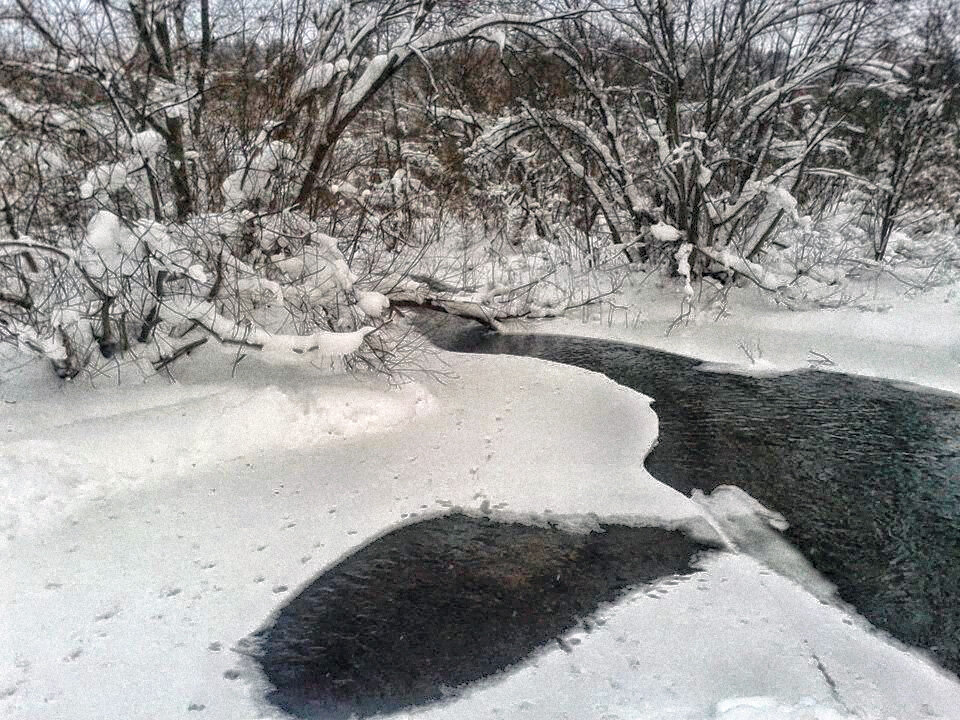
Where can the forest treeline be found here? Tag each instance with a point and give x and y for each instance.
(277, 174)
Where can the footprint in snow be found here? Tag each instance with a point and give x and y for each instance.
(107, 614)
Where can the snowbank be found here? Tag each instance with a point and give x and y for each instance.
(914, 338)
(81, 444)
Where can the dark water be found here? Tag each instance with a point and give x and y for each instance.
(438, 604)
(867, 473)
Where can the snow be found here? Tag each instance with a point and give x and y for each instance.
(373, 304)
(62, 449)
(498, 37)
(682, 256)
(103, 232)
(29, 340)
(781, 199)
(316, 77)
(324, 342)
(148, 143)
(108, 177)
(260, 289)
(196, 272)
(763, 708)
(375, 68)
(892, 333)
(232, 188)
(111, 242)
(755, 368)
(253, 181)
(171, 98)
(150, 527)
(763, 276)
(664, 234)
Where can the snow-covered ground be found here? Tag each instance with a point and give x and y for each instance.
(890, 332)
(149, 528)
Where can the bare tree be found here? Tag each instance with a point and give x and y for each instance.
(702, 121)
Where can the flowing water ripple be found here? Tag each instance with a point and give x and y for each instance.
(866, 471)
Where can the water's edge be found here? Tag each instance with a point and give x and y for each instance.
(867, 471)
(430, 607)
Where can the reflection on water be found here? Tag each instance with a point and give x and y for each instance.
(867, 473)
(434, 605)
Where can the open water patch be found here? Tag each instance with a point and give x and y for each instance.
(433, 606)
(866, 471)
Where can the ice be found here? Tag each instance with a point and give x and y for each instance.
(754, 529)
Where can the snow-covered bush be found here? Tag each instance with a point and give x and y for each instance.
(206, 175)
(831, 262)
(146, 291)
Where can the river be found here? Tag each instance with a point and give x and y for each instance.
(867, 472)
